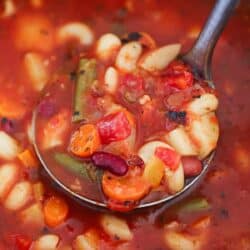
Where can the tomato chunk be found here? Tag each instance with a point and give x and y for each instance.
(22, 242)
(114, 127)
(170, 157)
(178, 75)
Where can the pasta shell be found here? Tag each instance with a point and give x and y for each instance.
(159, 59)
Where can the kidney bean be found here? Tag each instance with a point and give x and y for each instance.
(192, 165)
(113, 163)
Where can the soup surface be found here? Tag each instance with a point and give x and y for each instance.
(39, 46)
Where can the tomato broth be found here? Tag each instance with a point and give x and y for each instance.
(34, 214)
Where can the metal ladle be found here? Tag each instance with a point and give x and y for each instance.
(199, 58)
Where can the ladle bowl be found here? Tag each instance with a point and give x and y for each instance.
(199, 58)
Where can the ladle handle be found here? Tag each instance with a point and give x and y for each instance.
(201, 53)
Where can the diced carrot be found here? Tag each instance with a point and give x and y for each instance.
(127, 188)
(55, 211)
(85, 141)
(28, 158)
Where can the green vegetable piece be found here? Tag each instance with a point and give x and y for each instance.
(195, 205)
(86, 75)
(82, 169)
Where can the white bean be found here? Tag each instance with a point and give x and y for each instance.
(33, 215)
(204, 131)
(75, 30)
(116, 228)
(181, 142)
(174, 179)
(36, 69)
(9, 147)
(107, 45)
(203, 105)
(147, 151)
(111, 80)
(47, 242)
(159, 59)
(8, 177)
(128, 56)
(18, 196)
(9, 8)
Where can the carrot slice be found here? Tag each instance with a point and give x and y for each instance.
(55, 211)
(127, 188)
(85, 141)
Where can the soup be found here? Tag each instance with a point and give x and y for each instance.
(34, 214)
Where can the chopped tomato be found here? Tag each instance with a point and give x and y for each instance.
(178, 75)
(85, 141)
(170, 157)
(114, 127)
(133, 82)
(22, 242)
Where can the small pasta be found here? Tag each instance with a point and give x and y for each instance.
(205, 132)
(174, 179)
(111, 79)
(128, 56)
(18, 196)
(180, 140)
(88, 241)
(47, 242)
(158, 59)
(9, 147)
(116, 228)
(9, 8)
(107, 45)
(203, 105)
(36, 69)
(75, 31)
(8, 176)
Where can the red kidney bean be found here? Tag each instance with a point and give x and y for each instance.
(192, 165)
(113, 163)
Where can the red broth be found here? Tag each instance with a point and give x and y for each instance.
(224, 224)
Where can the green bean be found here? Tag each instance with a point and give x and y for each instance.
(82, 169)
(195, 205)
(86, 75)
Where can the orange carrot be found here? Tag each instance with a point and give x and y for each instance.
(85, 141)
(28, 158)
(127, 188)
(55, 211)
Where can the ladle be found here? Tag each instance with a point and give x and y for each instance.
(199, 57)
